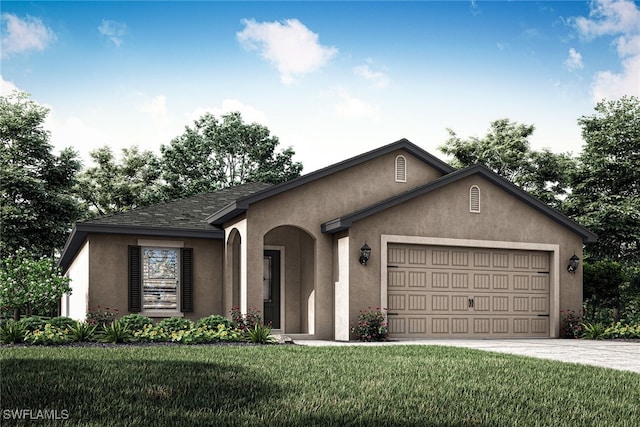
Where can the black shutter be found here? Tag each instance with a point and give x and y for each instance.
(135, 280)
(186, 280)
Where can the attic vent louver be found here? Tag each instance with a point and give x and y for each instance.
(474, 199)
(401, 169)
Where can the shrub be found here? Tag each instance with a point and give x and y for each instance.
(620, 330)
(49, 335)
(213, 321)
(245, 322)
(571, 324)
(189, 335)
(12, 332)
(82, 331)
(32, 323)
(174, 324)
(115, 332)
(100, 317)
(372, 326)
(62, 322)
(135, 322)
(594, 331)
(151, 333)
(259, 334)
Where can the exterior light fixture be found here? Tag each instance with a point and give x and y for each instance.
(365, 253)
(573, 264)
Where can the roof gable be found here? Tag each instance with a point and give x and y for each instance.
(239, 206)
(345, 222)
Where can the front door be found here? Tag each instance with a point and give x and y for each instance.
(271, 288)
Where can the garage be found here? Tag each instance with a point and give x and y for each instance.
(451, 292)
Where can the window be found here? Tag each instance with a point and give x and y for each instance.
(160, 279)
(474, 199)
(401, 169)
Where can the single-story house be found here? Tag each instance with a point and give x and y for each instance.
(449, 253)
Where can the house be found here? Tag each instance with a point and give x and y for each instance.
(450, 253)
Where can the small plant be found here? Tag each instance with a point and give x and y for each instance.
(62, 322)
(571, 324)
(49, 335)
(12, 332)
(99, 316)
(259, 334)
(115, 332)
(32, 323)
(244, 322)
(372, 325)
(624, 331)
(213, 321)
(151, 333)
(594, 331)
(82, 331)
(136, 322)
(174, 324)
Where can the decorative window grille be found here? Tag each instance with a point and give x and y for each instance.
(401, 169)
(160, 278)
(474, 199)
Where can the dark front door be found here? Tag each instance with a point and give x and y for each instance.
(271, 288)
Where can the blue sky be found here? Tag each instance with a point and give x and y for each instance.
(330, 79)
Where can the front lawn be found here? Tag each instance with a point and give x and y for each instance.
(306, 386)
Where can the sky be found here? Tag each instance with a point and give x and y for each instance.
(331, 79)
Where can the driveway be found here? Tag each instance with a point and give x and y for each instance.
(621, 355)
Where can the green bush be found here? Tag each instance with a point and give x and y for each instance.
(213, 321)
(49, 335)
(174, 324)
(115, 332)
(189, 335)
(82, 331)
(620, 330)
(151, 333)
(62, 322)
(12, 332)
(32, 323)
(136, 322)
(371, 326)
(260, 334)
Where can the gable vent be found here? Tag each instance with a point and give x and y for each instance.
(474, 199)
(401, 169)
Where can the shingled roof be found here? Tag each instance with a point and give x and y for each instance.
(184, 217)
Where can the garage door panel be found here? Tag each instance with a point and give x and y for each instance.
(442, 291)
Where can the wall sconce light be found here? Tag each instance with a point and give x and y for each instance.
(365, 253)
(573, 264)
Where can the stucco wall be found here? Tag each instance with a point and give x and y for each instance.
(445, 213)
(108, 277)
(310, 205)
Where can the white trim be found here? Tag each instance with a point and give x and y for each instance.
(403, 178)
(282, 282)
(241, 227)
(341, 293)
(554, 267)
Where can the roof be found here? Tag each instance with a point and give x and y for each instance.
(237, 207)
(344, 222)
(184, 217)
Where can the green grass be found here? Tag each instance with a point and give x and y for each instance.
(292, 386)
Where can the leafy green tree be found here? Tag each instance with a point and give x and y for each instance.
(111, 186)
(29, 285)
(37, 206)
(606, 184)
(214, 154)
(506, 150)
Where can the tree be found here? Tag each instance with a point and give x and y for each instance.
(110, 186)
(37, 206)
(214, 154)
(29, 285)
(506, 151)
(606, 184)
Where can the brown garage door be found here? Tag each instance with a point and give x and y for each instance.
(437, 291)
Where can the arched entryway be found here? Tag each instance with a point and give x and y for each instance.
(233, 271)
(289, 280)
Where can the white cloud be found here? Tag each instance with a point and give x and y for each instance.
(157, 107)
(22, 35)
(249, 114)
(6, 87)
(350, 107)
(574, 60)
(290, 46)
(113, 30)
(619, 18)
(377, 78)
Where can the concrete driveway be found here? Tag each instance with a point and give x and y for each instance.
(624, 356)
